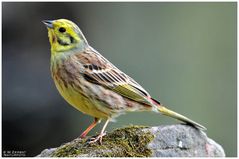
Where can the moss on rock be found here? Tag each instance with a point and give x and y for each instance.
(130, 141)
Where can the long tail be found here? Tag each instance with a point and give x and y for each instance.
(180, 117)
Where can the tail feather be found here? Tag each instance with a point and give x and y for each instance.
(180, 117)
(175, 115)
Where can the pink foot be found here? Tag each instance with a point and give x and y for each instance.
(98, 138)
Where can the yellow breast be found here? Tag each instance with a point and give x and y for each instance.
(78, 100)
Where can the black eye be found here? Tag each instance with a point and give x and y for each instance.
(62, 30)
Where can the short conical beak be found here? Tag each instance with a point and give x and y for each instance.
(48, 23)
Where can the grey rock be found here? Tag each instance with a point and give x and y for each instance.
(138, 141)
(183, 141)
(46, 152)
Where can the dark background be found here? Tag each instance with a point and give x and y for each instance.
(184, 53)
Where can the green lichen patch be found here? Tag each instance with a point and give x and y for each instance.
(130, 141)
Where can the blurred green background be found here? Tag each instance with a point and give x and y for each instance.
(183, 53)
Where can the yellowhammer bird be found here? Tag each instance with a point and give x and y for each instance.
(92, 84)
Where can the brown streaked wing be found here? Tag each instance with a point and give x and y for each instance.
(98, 70)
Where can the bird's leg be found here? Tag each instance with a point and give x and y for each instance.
(92, 125)
(102, 133)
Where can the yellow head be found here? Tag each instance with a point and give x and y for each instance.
(64, 35)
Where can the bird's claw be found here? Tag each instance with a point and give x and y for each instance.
(98, 138)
